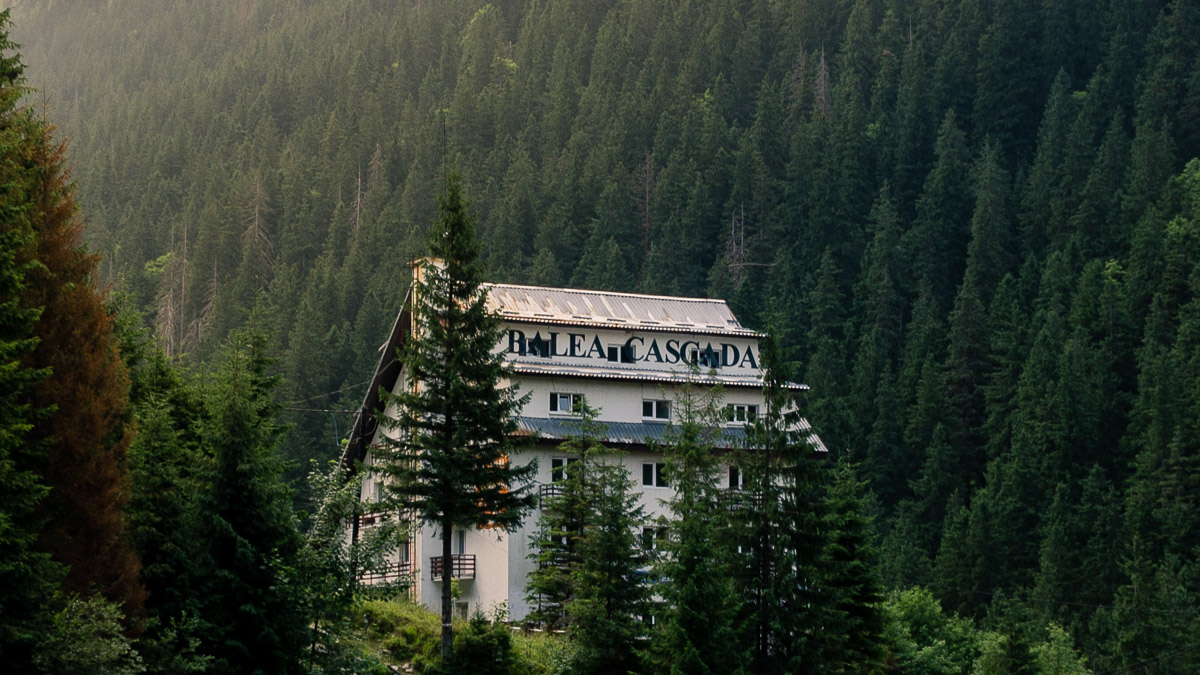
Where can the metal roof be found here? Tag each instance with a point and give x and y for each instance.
(624, 433)
(606, 309)
(528, 366)
(641, 433)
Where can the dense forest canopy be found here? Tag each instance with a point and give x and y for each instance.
(975, 223)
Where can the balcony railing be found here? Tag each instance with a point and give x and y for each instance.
(462, 566)
(388, 574)
(736, 499)
(545, 492)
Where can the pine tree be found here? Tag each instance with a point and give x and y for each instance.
(611, 598)
(565, 515)
(28, 578)
(248, 538)
(450, 465)
(853, 625)
(87, 434)
(696, 631)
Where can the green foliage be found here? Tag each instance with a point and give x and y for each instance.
(563, 520)
(611, 598)
(402, 630)
(87, 637)
(1036, 326)
(484, 646)
(402, 633)
(853, 621)
(247, 534)
(27, 577)
(924, 639)
(590, 565)
(1056, 656)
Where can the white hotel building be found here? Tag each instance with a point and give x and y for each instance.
(628, 355)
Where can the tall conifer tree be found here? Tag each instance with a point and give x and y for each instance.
(697, 634)
(450, 466)
(248, 534)
(89, 429)
(27, 577)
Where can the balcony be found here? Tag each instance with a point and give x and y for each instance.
(391, 573)
(462, 566)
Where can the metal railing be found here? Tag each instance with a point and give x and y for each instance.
(462, 566)
(388, 574)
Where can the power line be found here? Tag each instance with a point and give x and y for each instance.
(321, 410)
(337, 391)
(1142, 665)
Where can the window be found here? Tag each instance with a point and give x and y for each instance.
(620, 354)
(741, 413)
(558, 467)
(735, 478)
(565, 404)
(653, 537)
(704, 358)
(655, 475)
(656, 410)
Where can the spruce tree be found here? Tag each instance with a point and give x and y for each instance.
(611, 598)
(696, 630)
(565, 513)
(28, 577)
(88, 431)
(449, 466)
(775, 524)
(852, 624)
(248, 539)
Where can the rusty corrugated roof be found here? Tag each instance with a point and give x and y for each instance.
(613, 310)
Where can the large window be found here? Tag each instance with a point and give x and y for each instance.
(656, 410)
(654, 475)
(565, 404)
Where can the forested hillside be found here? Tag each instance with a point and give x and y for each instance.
(975, 223)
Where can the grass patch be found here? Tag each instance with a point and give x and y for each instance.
(402, 633)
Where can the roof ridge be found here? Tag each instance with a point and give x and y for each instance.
(612, 293)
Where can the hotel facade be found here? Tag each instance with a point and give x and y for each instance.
(628, 356)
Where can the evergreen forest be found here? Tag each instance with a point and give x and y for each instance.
(973, 227)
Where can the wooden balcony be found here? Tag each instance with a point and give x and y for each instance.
(462, 566)
(391, 573)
